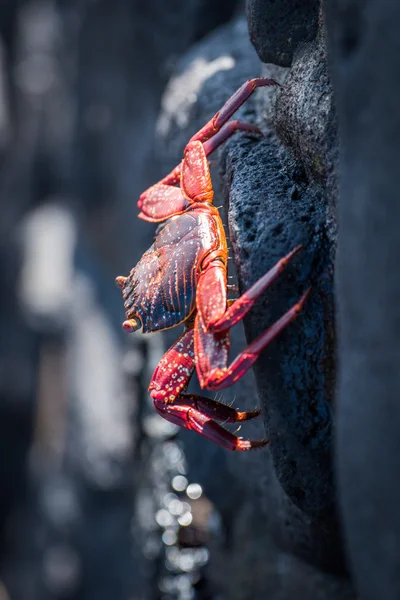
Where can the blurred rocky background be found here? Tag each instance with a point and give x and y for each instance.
(99, 497)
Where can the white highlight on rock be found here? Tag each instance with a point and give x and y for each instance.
(182, 91)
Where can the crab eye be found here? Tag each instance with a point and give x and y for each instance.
(132, 325)
(121, 281)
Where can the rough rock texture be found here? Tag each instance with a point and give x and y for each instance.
(273, 207)
(288, 191)
(305, 121)
(277, 28)
(365, 60)
(294, 375)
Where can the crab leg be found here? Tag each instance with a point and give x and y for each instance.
(230, 107)
(197, 413)
(216, 317)
(185, 415)
(225, 132)
(212, 357)
(241, 306)
(163, 200)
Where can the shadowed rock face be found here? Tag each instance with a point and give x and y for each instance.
(290, 188)
(274, 204)
(365, 60)
(305, 121)
(286, 183)
(277, 28)
(294, 374)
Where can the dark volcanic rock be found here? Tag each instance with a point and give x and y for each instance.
(276, 28)
(305, 118)
(293, 374)
(365, 63)
(273, 206)
(292, 190)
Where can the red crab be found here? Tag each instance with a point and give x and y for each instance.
(182, 278)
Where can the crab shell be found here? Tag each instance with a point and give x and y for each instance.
(161, 288)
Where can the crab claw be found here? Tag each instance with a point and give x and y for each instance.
(121, 281)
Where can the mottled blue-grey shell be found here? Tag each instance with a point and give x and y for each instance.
(161, 289)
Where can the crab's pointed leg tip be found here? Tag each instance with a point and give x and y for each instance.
(256, 130)
(305, 296)
(131, 325)
(260, 444)
(120, 281)
(249, 414)
(248, 445)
